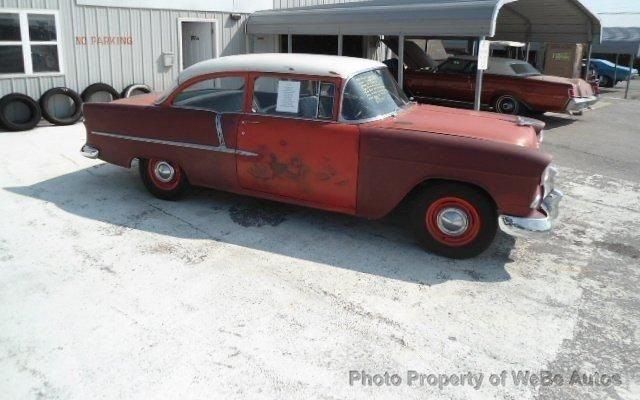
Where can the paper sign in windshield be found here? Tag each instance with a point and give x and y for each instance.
(288, 97)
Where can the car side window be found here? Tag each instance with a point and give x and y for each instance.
(301, 98)
(223, 94)
(454, 66)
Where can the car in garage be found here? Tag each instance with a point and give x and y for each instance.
(337, 134)
(609, 74)
(509, 87)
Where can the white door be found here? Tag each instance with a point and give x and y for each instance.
(198, 41)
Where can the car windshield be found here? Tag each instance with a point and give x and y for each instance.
(524, 69)
(372, 94)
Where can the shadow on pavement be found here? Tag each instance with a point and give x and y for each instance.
(115, 196)
(556, 121)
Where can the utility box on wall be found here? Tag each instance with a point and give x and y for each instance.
(563, 60)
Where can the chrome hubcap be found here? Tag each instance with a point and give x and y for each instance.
(164, 171)
(507, 106)
(453, 221)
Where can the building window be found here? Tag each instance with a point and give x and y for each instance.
(29, 43)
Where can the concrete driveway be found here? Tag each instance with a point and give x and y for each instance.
(107, 292)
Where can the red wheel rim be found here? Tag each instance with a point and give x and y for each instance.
(158, 180)
(469, 218)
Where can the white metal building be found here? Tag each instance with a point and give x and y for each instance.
(75, 43)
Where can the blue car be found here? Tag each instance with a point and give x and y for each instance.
(605, 70)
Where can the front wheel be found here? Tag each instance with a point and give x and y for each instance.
(605, 81)
(164, 179)
(454, 220)
(507, 104)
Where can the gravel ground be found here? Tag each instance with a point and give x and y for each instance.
(106, 292)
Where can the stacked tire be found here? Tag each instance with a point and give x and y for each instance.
(19, 112)
(59, 106)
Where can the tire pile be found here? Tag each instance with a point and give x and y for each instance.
(19, 112)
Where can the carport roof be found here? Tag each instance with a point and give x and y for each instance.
(564, 21)
(620, 33)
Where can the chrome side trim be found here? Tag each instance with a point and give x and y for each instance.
(530, 227)
(89, 151)
(220, 149)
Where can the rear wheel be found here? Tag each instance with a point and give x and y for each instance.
(507, 104)
(454, 220)
(164, 179)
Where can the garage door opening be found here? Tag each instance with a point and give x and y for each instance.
(353, 46)
(197, 41)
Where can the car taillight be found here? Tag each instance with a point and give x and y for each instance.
(572, 93)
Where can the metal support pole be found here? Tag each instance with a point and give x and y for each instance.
(340, 44)
(401, 61)
(588, 67)
(289, 43)
(633, 60)
(615, 70)
(527, 51)
(479, 76)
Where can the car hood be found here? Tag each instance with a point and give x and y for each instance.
(463, 123)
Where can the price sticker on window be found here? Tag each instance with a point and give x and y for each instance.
(288, 97)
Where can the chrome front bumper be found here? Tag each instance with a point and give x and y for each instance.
(89, 152)
(581, 104)
(527, 227)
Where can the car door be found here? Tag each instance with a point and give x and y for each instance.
(452, 81)
(303, 153)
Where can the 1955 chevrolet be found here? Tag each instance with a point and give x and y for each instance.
(334, 133)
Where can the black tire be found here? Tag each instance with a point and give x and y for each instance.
(605, 81)
(507, 104)
(9, 123)
(172, 190)
(47, 97)
(132, 89)
(97, 88)
(436, 201)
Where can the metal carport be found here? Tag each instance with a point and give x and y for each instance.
(620, 35)
(562, 21)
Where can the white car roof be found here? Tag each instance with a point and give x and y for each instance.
(303, 64)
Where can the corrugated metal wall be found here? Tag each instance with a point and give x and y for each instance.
(153, 32)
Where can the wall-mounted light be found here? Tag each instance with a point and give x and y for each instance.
(235, 16)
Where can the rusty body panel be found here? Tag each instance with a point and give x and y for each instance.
(365, 169)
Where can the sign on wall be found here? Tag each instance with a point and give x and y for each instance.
(104, 40)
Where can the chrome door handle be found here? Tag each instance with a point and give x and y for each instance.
(252, 122)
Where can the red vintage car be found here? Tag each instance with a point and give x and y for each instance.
(509, 86)
(334, 133)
